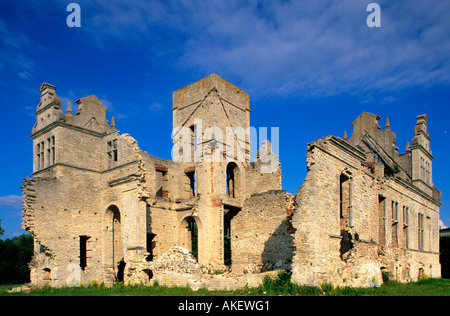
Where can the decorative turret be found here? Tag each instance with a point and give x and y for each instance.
(48, 96)
(54, 128)
(49, 109)
(421, 155)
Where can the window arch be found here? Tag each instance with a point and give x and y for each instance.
(190, 233)
(232, 180)
(113, 245)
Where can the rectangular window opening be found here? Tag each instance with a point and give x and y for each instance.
(191, 176)
(382, 222)
(51, 150)
(193, 129)
(345, 201)
(420, 232)
(112, 153)
(47, 157)
(406, 227)
(40, 156)
(394, 207)
(150, 246)
(83, 252)
(161, 179)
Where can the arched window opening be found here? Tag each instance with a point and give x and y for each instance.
(114, 252)
(191, 236)
(231, 180)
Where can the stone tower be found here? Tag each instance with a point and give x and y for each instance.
(211, 120)
(69, 154)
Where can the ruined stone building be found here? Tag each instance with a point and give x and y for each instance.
(99, 208)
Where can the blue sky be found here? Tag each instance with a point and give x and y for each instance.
(310, 68)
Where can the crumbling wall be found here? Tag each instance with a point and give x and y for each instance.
(352, 223)
(262, 177)
(67, 203)
(262, 233)
(178, 267)
(330, 223)
(64, 207)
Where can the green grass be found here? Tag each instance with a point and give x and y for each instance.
(280, 286)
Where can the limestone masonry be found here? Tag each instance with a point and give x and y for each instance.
(102, 210)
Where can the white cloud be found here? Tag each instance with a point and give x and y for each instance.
(11, 201)
(24, 75)
(326, 47)
(310, 48)
(441, 224)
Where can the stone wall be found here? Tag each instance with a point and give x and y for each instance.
(177, 267)
(262, 237)
(351, 242)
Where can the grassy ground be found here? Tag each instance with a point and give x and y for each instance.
(280, 286)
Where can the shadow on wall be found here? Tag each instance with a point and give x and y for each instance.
(279, 248)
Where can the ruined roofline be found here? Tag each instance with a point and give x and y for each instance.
(371, 143)
(372, 115)
(90, 98)
(280, 191)
(366, 122)
(341, 143)
(352, 150)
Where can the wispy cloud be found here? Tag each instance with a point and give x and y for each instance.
(309, 48)
(13, 52)
(326, 47)
(11, 201)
